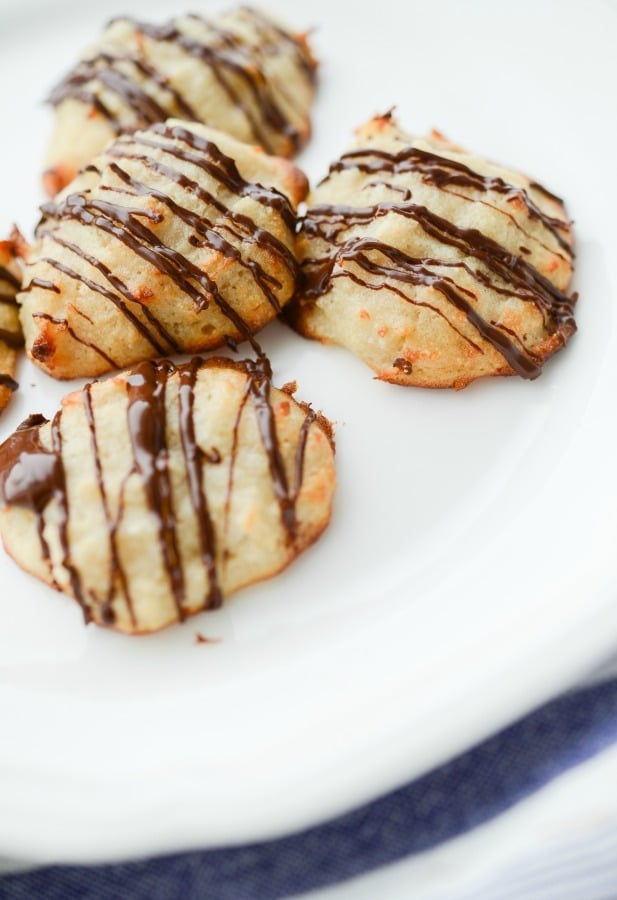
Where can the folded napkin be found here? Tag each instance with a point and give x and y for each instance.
(445, 806)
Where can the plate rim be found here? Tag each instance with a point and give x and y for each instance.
(580, 639)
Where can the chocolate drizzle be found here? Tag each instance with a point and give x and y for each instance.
(9, 285)
(257, 389)
(115, 291)
(32, 475)
(194, 457)
(376, 265)
(116, 571)
(147, 96)
(259, 386)
(28, 470)
(146, 416)
(204, 235)
(8, 382)
(447, 174)
(10, 330)
(12, 281)
(63, 323)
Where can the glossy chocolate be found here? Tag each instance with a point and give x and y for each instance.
(28, 470)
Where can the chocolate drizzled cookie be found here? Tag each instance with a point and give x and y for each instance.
(239, 72)
(157, 493)
(177, 238)
(434, 266)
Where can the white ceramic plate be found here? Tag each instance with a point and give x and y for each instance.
(468, 572)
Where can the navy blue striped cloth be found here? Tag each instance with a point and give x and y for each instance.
(445, 803)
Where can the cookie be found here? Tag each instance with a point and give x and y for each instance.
(11, 337)
(177, 238)
(157, 493)
(240, 73)
(432, 265)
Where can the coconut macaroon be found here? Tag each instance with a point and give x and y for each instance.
(177, 238)
(240, 72)
(432, 265)
(155, 494)
(11, 337)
